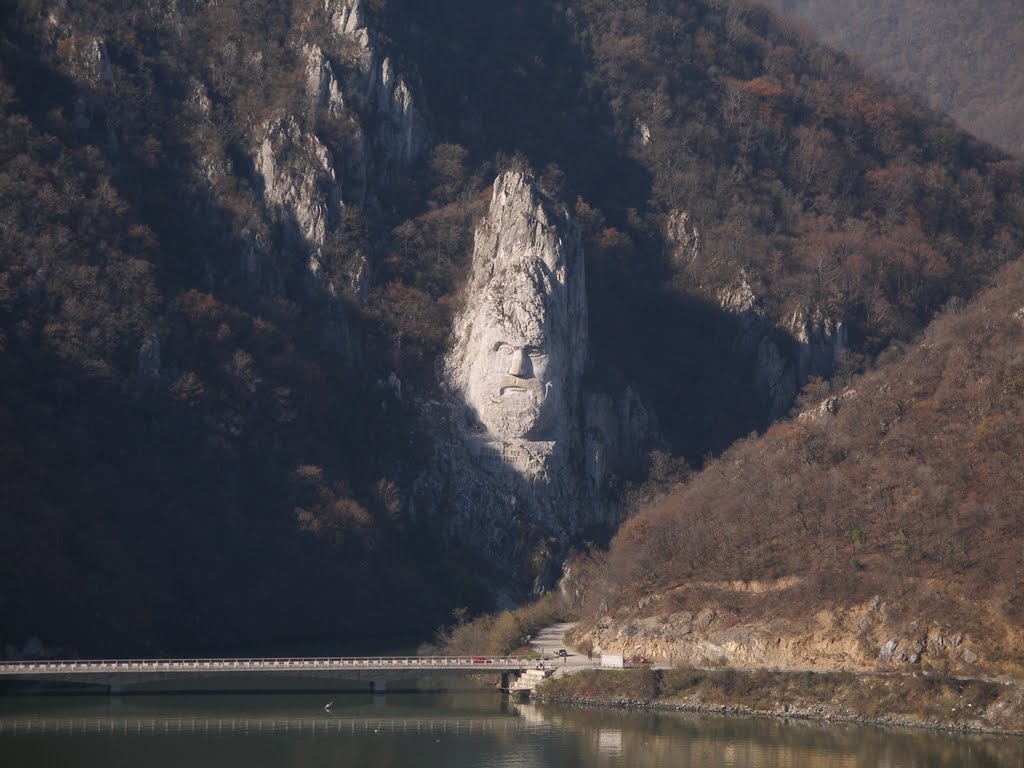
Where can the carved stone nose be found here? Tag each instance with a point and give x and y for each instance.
(517, 367)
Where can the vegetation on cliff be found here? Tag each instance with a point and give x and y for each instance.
(904, 484)
(201, 430)
(822, 189)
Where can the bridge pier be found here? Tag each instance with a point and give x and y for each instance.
(379, 685)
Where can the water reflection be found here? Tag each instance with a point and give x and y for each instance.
(455, 731)
(692, 739)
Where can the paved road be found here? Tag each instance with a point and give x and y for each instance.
(550, 639)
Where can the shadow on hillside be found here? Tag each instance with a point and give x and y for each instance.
(175, 516)
(509, 77)
(696, 364)
(480, 63)
(147, 520)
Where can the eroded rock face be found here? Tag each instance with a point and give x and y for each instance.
(682, 237)
(299, 178)
(522, 470)
(346, 16)
(860, 637)
(321, 84)
(759, 344)
(521, 342)
(398, 134)
(821, 341)
(88, 58)
(782, 356)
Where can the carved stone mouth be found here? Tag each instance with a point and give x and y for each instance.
(513, 391)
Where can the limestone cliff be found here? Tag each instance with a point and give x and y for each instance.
(821, 340)
(522, 464)
(340, 139)
(399, 133)
(781, 355)
(322, 85)
(299, 180)
(779, 350)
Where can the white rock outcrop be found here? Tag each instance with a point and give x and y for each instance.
(521, 469)
(783, 356)
(321, 84)
(299, 178)
(89, 59)
(821, 341)
(400, 136)
(346, 16)
(398, 133)
(520, 344)
(758, 344)
(682, 237)
(830, 406)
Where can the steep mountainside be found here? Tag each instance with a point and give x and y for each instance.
(198, 444)
(242, 245)
(881, 527)
(737, 188)
(960, 57)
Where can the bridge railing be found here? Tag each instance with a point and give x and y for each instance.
(273, 664)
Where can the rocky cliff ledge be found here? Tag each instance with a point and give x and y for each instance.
(760, 625)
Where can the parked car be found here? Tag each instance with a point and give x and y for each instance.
(561, 652)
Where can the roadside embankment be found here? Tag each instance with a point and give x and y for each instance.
(906, 700)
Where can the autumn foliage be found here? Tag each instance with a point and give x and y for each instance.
(910, 474)
(211, 429)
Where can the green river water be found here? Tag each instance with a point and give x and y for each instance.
(455, 729)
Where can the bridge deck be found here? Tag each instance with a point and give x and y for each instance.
(390, 664)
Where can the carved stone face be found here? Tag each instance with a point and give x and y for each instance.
(519, 345)
(515, 382)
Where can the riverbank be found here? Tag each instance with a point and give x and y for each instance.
(918, 701)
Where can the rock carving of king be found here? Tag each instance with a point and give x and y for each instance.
(520, 343)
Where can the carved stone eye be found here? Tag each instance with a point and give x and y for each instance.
(503, 349)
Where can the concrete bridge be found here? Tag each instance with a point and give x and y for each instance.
(117, 673)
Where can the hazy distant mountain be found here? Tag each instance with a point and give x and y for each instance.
(961, 57)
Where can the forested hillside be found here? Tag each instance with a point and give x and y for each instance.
(234, 237)
(904, 489)
(959, 57)
(195, 457)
